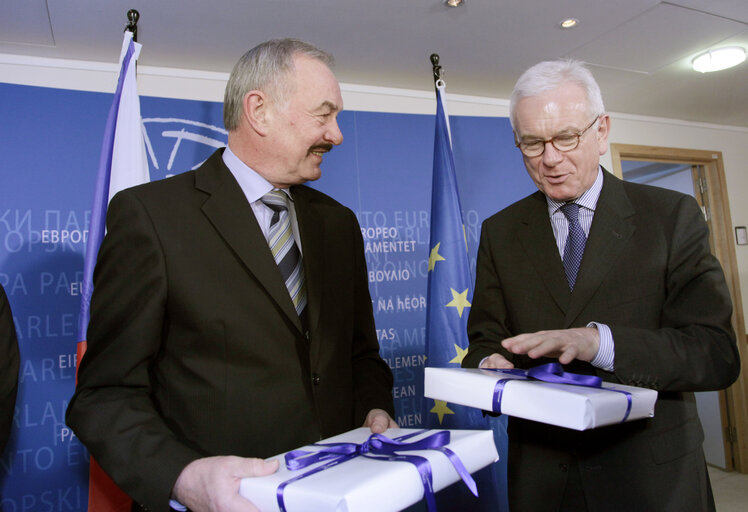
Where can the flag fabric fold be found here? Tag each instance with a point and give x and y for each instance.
(449, 296)
(122, 164)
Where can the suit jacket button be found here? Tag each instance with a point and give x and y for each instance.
(315, 379)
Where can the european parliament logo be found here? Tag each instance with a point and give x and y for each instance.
(175, 145)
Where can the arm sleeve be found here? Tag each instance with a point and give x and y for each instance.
(112, 411)
(372, 377)
(694, 349)
(488, 320)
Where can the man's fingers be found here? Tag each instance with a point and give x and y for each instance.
(379, 420)
(568, 355)
(565, 344)
(498, 362)
(379, 424)
(259, 467)
(527, 343)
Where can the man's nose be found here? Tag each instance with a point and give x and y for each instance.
(333, 134)
(551, 155)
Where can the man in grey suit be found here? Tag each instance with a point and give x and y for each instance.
(231, 318)
(647, 306)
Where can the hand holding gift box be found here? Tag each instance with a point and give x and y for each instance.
(359, 471)
(579, 402)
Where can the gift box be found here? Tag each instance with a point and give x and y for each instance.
(514, 393)
(347, 480)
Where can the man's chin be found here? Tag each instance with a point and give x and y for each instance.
(311, 175)
(558, 193)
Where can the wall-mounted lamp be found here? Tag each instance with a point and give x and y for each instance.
(716, 60)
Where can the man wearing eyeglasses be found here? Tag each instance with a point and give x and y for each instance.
(611, 279)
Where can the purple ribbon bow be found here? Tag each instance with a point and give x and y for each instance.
(553, 372)
(380, 447)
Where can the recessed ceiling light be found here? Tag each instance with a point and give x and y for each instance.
(569, 23)
(453, 3)
(717, 60)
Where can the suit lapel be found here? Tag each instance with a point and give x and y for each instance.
(230, 213)
(536, 236)
(611, 229)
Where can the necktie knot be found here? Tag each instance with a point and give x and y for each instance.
(277, 201)
(570, 211)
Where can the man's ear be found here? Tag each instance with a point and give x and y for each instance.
(256, 111)
(603, 130)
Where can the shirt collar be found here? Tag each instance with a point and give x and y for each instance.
(587, 200)
(251, 182)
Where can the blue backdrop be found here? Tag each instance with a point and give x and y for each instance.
(50, 141)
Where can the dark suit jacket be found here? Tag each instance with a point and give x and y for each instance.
(194, 346)
(10, 361)
(648, 273)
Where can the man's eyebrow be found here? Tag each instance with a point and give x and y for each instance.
(328, 105)
(566, 131)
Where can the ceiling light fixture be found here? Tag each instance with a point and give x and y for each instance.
(717, 60)
(453, 3)
(569, 23)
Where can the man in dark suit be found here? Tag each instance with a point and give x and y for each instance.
(648, 306)
(203, 352)
(10, 359)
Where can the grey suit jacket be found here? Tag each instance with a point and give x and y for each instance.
(648, 273)
(194, 346)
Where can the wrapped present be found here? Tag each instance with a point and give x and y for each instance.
(359, 471)
(544, 394)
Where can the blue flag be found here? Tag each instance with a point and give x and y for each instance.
(450, 293)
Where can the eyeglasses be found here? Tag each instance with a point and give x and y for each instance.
(564, 142)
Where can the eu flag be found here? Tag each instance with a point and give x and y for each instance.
(450, 292)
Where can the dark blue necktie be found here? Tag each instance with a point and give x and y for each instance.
(574, 243)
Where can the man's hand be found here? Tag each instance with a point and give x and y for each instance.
(211, 484)
(496, 361)
(580, 343)
(378, 421)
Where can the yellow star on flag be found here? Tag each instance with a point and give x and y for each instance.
(434, 257)
(461, 353)
(440, 408)
(459, 301)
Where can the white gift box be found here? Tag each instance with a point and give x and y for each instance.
(363, 484)
(565, 405)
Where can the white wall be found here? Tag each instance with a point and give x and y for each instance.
(626, 129)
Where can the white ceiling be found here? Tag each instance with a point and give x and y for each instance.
(639, 50)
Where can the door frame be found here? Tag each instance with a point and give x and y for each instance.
(733, 400)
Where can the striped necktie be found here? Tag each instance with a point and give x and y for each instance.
(575, 242)
(283, 246)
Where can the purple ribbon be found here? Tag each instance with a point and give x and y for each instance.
(553, 372)
(379, 447)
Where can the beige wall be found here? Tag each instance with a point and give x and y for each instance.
(626, 129)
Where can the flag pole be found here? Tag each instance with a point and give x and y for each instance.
(449, 296)
(437, 68)
(122, 164)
